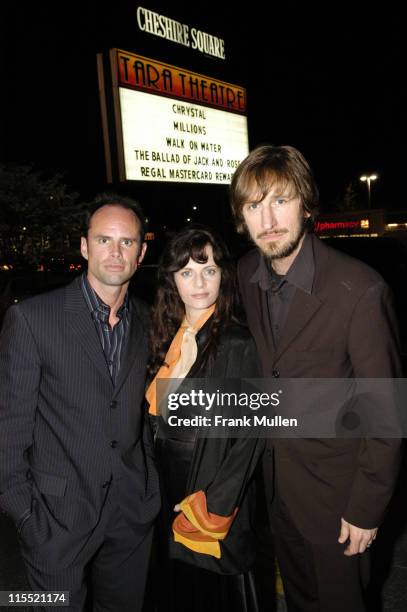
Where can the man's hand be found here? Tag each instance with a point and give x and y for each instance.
(359, 539)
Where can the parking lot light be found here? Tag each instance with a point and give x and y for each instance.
(367, 179)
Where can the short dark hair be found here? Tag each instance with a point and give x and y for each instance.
(270, 165)
(114, 199)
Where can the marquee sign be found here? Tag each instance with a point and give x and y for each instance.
(176, 125)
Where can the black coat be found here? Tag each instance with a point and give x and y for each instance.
(222, 467)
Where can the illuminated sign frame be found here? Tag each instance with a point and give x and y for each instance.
(204, 138)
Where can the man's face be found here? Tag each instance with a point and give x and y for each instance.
(112, 247)
(276, 224)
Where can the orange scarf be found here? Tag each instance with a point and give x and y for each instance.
(173, 356)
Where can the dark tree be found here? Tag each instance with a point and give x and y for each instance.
(38, 217)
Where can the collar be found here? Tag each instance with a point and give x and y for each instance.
(95, 303)
(301, 273)
(208, 312)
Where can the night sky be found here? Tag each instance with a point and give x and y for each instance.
(329, 81)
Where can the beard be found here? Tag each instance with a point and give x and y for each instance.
(274, 250)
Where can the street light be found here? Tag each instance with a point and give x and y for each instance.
(367, 179)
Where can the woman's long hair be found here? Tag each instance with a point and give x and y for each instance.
(169, 310)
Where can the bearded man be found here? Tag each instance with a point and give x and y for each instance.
(315, 313)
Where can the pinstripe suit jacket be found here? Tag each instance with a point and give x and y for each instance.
(66, 431)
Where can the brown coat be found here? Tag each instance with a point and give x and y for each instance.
(345, 328)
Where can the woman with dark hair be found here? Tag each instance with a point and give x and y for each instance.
(207, 549)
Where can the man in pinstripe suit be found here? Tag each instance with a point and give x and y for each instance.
(76, 468)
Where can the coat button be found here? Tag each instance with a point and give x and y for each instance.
(275, 374)
(113, 404)
(114, 443)
(106, 484)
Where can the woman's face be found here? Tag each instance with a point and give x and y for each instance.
(198, 285)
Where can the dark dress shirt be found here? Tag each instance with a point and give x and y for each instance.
(111, 338)
(280, 289)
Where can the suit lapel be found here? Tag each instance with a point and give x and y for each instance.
(80, 320)
(302, 309)
(304, 306)
(134, 352)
